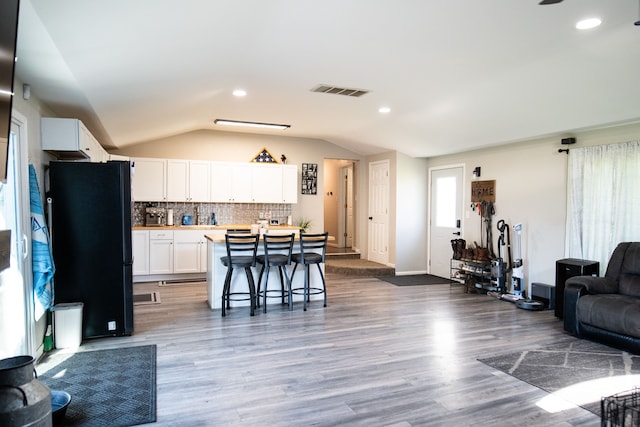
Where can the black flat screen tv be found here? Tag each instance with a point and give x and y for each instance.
(8, 38)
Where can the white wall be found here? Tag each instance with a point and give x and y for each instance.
(412, 215)
(531, 181)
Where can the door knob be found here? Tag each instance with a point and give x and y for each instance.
(370, 218)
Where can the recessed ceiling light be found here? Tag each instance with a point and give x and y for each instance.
(250, 124)
(384, 110)
(586, 24)
(239, 92)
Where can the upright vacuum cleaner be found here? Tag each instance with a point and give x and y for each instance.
(517, 273)
(515, 266)
(504, 264)
(501, 265)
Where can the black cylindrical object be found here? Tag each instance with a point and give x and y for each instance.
(24, 401)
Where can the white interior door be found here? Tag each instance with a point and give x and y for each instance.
(445, 217)
(17, 323)
(379, 211)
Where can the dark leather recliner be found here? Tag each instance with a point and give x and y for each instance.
(607, 309)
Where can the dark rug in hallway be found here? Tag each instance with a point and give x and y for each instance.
(415, 280)
(143, 299)
(115, 387)
(578, 372)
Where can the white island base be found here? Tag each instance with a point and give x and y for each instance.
(216, 273)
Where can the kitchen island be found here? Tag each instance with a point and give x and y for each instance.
(216, 272)
(179, 253)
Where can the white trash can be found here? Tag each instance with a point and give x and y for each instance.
(67, 324)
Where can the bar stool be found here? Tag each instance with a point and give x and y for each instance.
(241, 253)
(312, 251)
(277, 253)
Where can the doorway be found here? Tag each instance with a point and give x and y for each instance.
(17, 324)
(339, 204)
(379, 211)
(445, 215)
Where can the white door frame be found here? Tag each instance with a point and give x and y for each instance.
(21, 242)
(463, 189)
(378, 223)
(345, 197)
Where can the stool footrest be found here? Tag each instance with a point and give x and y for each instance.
(235, 294)
(312, 291)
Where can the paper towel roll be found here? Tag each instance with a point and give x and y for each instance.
(169, 216)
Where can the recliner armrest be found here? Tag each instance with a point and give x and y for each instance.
(594, 285)
(572, 293)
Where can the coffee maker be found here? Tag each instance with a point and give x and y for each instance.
(155, 217)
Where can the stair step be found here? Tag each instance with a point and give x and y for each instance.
(357, 267)
(350, 255)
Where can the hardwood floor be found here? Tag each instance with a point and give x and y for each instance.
(377, 355)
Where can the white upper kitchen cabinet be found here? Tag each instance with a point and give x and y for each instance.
(266, 184)
(199, 181)
(231, 182)
(289, 184)
(149, 180)
(188, 181)
(177, 180)
(69, 139)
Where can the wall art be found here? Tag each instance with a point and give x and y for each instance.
(309, 178)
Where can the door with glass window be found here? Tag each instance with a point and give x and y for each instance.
(16, 301)
(445, 217)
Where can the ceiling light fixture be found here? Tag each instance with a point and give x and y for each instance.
(589, 23)
(384, 110)
(239, 92)
(251, 124)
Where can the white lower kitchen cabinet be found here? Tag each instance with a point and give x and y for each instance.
(189, 252)
(161, 252)
(140, 248)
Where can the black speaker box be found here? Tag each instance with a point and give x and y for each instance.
(544, 293)
(568, 141)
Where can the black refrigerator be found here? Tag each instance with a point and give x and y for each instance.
(91, 213)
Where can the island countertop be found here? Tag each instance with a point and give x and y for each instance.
(293, 228)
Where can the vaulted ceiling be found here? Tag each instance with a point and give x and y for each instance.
(455, 74)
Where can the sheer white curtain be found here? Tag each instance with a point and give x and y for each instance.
(603, 200)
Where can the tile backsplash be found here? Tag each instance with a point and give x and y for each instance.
(226, 213)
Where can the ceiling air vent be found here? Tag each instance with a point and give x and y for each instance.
(339, 90)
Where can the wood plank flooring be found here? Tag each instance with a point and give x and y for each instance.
(377, 355)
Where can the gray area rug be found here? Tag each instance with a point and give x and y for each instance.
(577, 372)
(415, 280)
(115, 387)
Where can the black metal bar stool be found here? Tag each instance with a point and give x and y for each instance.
(241, 253)
(313, 248)
(277, 253)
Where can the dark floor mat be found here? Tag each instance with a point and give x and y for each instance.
(115, 387)
(415, 280)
